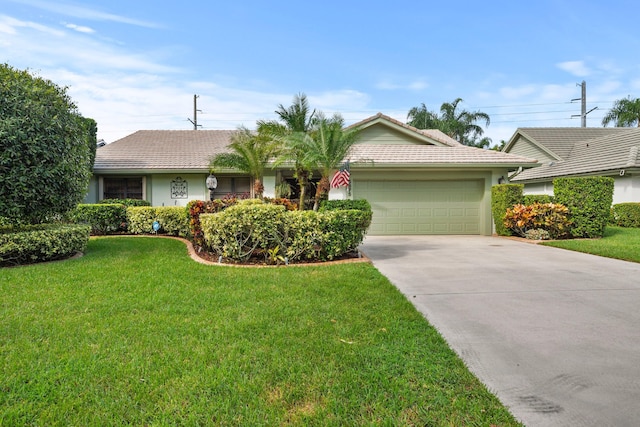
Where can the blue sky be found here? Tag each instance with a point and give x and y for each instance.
(134, 65)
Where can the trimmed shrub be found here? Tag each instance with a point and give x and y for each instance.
(195, 208)
(589, 201)
(359, 204)
(626, 215)
(103, 218)
(245, 230)
(140, 219)
(538, 220)
(248, 230)
(41, 243)
(325, 235)
(126, 202)
(530, 199)
(173, 220)
(503, 197)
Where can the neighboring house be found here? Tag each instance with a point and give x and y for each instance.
(571, 152)
(417, 181)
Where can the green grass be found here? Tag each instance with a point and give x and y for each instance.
(617, 242)
(137, 333)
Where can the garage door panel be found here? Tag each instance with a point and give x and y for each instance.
(423, 207)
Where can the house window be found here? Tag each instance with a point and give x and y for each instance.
(122, 188)
(232, 185)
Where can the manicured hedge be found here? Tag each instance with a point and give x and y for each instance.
(626, 215)
(360, 204)
(41, 243)
(589, 201)
(103, 218)
(269, 231)
(530, 199)
(503, 197)
(174, 220)
(126, 202)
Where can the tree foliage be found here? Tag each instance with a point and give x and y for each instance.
(326, 147)
(293, 126)
(624, 113)
(46, 148)
(460, 125)
(250, 153)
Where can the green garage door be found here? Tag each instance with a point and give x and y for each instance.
(422, 207)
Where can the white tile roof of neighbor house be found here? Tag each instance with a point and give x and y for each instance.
(583, 151)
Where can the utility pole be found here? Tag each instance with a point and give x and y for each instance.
(195, 113)
(583, 109)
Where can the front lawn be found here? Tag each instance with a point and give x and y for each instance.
(617, 242)
(135, 332)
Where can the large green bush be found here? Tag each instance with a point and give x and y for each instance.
(39, 243)
(503, 197)
(269, 231)
(589, 201)
(103, 218)
(43, 139)
(626, 215)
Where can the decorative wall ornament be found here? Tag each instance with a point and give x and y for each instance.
(179, 189)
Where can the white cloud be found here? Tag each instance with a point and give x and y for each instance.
(416, 85)
(76, 11)
(577, 68)
(10, 27)
(80, 28)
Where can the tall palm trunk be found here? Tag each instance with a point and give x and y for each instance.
(303, 180)
(322, 192)
(258, 188)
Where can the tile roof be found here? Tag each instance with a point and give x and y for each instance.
(190, 150)
(612, 152)
(432, 155)
(163, 149)
(559, 140)
(434, 134)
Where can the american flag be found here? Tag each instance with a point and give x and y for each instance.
(342, 177)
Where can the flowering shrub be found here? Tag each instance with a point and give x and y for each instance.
(550, 217)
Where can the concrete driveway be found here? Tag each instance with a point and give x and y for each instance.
(554, 334)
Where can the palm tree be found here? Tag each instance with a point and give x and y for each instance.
(421, 118)
(325, 148)
(250, 153)
(459, 125)
(294, 125)
(625, 113)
